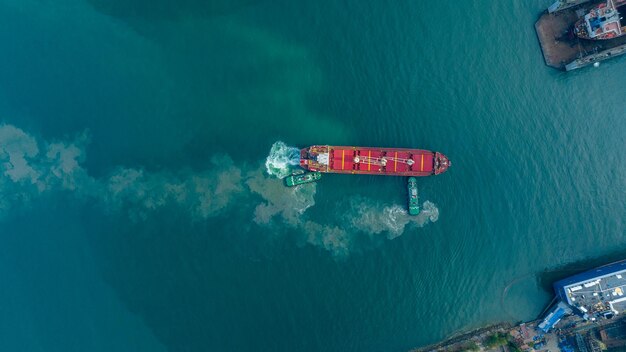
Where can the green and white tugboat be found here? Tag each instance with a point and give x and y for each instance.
(414, 205)
(302, 178)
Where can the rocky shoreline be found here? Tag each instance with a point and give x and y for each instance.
(462, 341)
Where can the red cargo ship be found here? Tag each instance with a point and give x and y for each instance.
(373, 161)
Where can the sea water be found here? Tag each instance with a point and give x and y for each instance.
(142, 145)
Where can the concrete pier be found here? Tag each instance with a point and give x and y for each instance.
(565, 51)
(560, 5)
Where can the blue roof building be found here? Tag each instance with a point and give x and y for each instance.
(554, 316)
(600, 292)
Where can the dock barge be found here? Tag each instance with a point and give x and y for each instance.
(561, 48)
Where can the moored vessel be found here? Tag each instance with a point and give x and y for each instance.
(373, 161)
(604, 21)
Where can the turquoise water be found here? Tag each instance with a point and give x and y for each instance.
(137, 212)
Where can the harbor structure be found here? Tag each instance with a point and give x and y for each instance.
(598, 293)
(595, 294)
(564, 5)
(562, 48)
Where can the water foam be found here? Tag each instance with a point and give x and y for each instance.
(282, 160)
(430, 212)
(395, 219)
(375, 218)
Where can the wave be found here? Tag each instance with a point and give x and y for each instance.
(282, 160)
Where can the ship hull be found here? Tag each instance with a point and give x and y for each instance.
(414, 206)
(296, 180)
(373, 161)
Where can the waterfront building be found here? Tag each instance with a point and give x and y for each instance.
(595, 294)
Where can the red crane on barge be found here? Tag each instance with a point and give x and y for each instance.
(373, 161)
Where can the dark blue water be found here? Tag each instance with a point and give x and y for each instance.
(137, 212)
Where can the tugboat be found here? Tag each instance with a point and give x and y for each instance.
(373, 161)
(302, 178)
(414, 206)
(605, 21)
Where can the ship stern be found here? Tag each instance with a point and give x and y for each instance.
(304, 158)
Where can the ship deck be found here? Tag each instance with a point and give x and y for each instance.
(368, 160)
